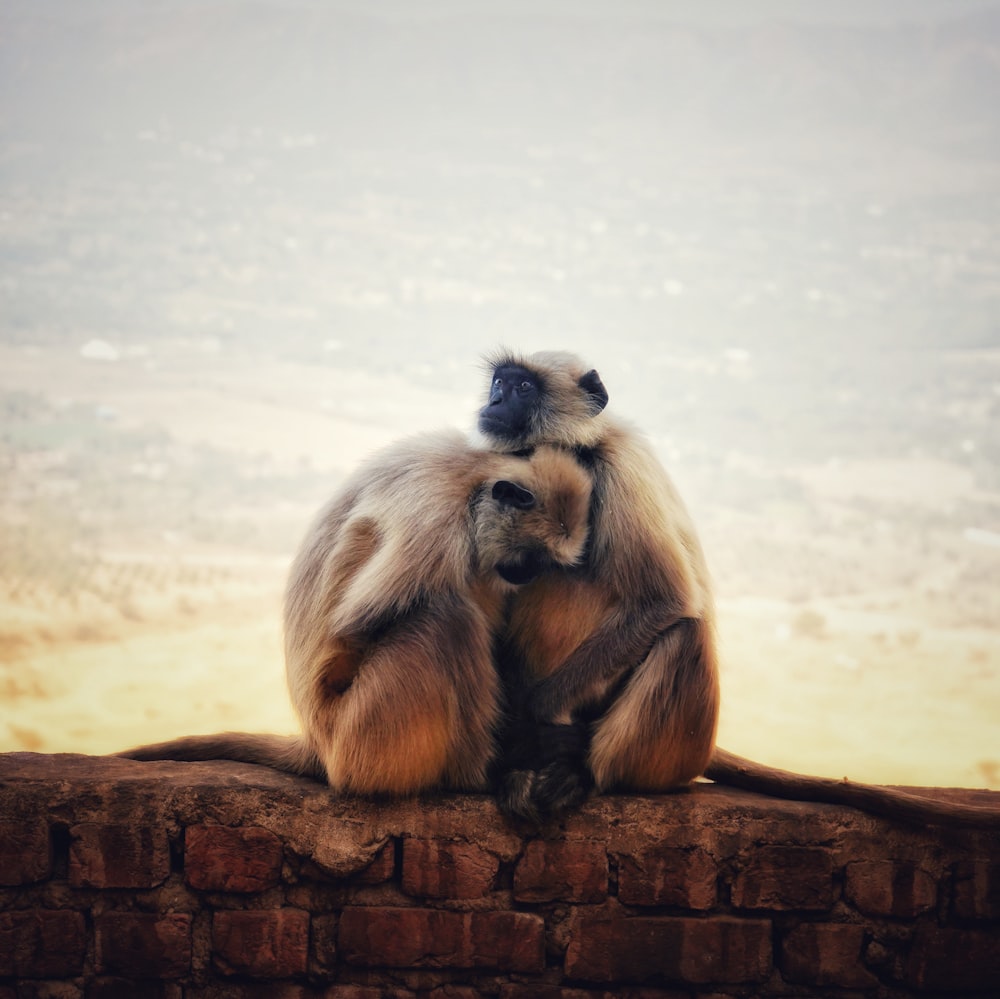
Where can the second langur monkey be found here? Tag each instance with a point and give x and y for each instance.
(611, 668)
(611, 665)
(391, 610)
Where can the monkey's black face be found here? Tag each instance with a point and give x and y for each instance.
(546, 402)
(515, 395)
(527, 564)
(510, 494)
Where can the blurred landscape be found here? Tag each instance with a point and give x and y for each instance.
(243, 245)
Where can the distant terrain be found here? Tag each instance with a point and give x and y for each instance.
(223, 285)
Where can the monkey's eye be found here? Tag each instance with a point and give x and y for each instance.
(497, 382)
(526, 386)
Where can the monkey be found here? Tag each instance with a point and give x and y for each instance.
(625, 641)
(391, 608)
(611, 665)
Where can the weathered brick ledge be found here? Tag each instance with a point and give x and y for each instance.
(217, 881)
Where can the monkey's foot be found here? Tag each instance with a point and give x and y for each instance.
(514, 796)
(561, 786)
(536, 796)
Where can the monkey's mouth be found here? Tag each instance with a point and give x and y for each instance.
(497, 426)
(519, 573)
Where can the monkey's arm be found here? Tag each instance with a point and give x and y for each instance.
(736, 771)
(647, 559)
(600, 662)
(287, 753)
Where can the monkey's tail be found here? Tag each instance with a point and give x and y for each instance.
(736, 771)
(288, 753)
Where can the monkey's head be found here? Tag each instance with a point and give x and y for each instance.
(546, 398)
(534, 520)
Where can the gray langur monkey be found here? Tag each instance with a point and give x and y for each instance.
(391, 610)
(610, 666)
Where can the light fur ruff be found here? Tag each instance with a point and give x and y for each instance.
(566, 417)
(391, 610)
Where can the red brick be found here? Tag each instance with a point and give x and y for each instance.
(428, 938)
(666, 875)
(25, 852)
(826, 954)
(381, 869)
(42, 943)
(887, 888)
(118, 856)
(273, 990)
(362, 992)
(49, 990)
(324, 942)
(558, 992)
(125, 988)
(235, 859)
(443, 869)
(680, 950)
(267, 944)
(143, 945)
(977, 889)
(785, 877)
(954, 960)
(564, 871)
(546, 992)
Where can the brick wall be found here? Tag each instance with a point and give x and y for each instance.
(121, 880)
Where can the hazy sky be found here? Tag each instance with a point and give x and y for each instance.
(297, 224)
(719, 12)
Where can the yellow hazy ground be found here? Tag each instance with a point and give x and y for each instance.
(850, 645)
(856, 695)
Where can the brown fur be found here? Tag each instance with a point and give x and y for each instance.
(631, 634)
(391, 609)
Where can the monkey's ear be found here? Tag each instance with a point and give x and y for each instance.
(593, 386)
(511, 494)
